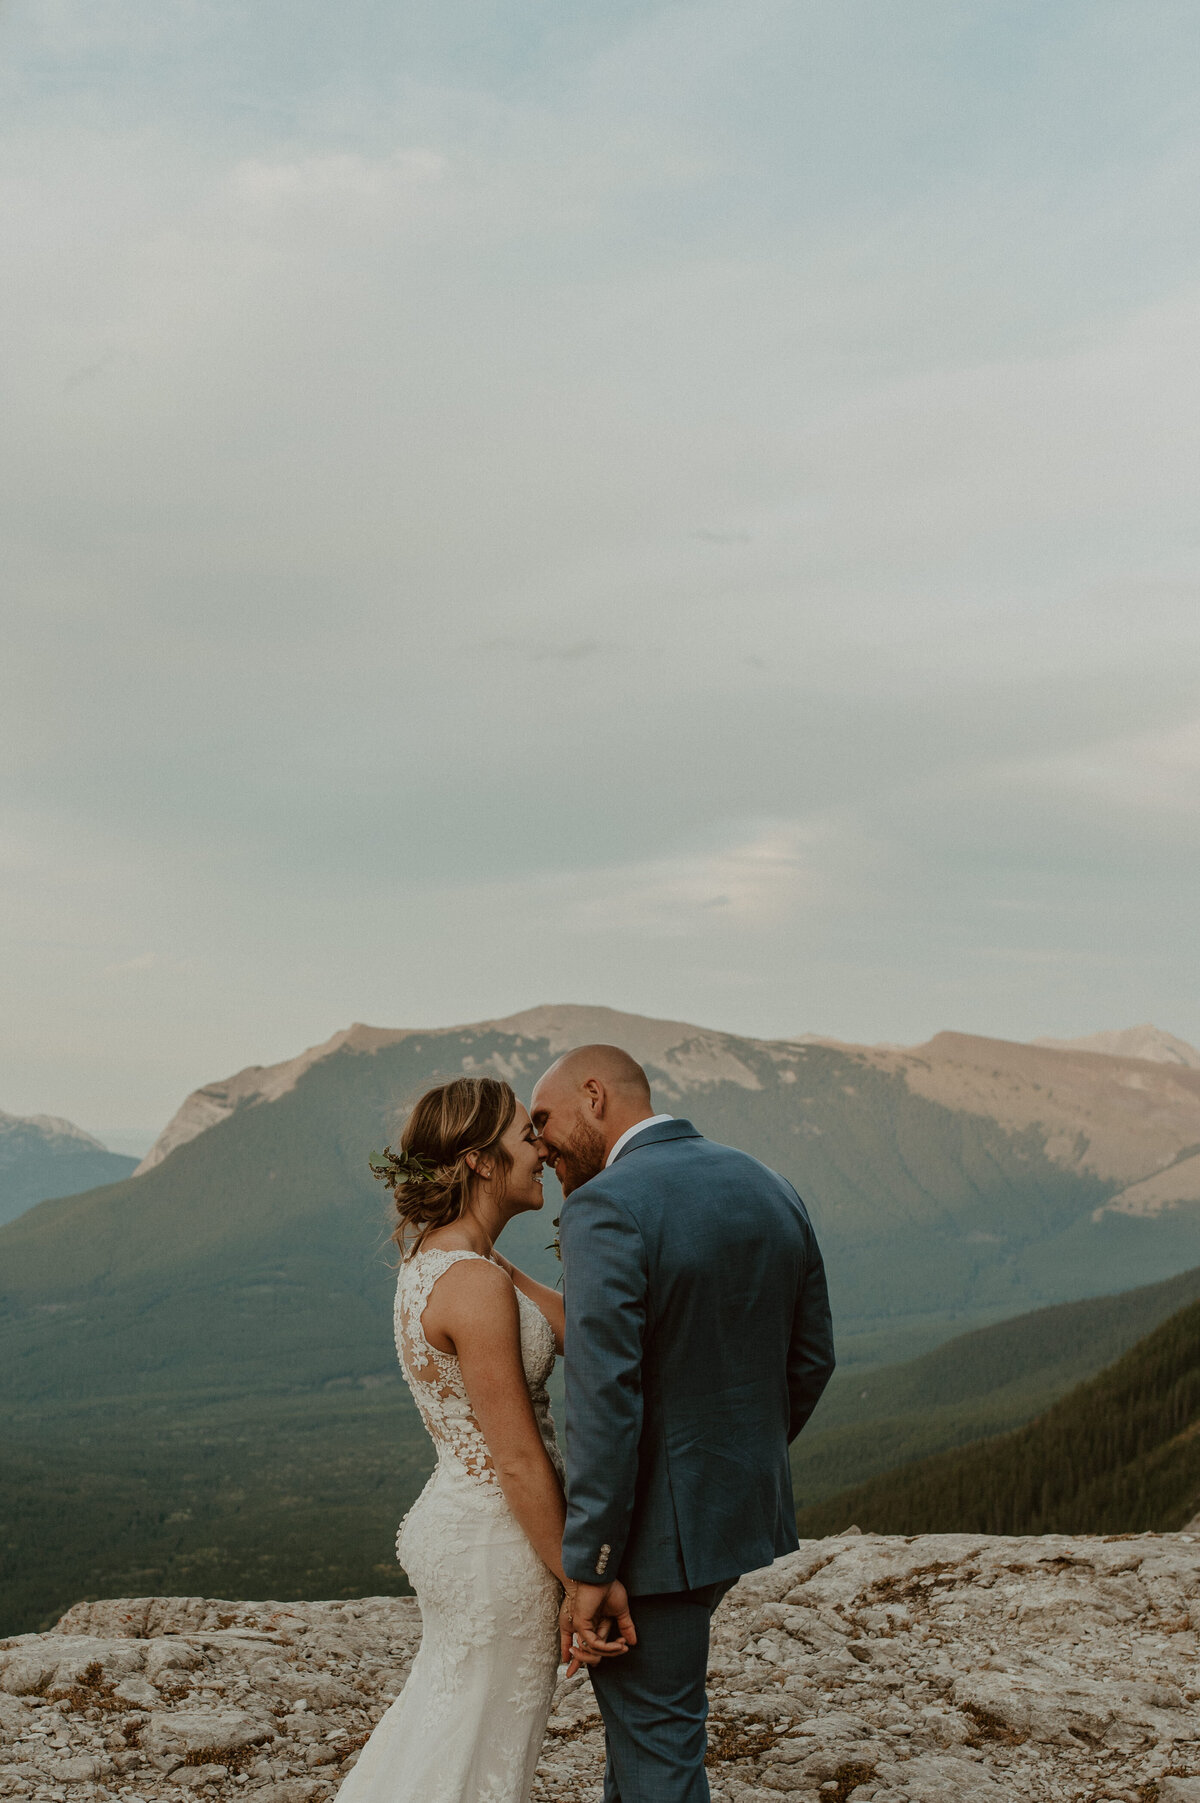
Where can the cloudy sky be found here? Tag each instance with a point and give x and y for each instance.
(690, 507)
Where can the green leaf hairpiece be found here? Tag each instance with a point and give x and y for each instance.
(395, 1168)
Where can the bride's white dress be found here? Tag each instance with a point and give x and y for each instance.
(469, 1723)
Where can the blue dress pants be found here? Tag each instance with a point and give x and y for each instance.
(653, 1701)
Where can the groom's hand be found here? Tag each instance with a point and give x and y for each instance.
(598, 1610)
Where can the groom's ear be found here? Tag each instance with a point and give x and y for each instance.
(597, 1096)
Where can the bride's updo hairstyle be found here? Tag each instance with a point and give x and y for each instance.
(430, 1176)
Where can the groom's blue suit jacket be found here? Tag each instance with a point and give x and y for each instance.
(698, 1341)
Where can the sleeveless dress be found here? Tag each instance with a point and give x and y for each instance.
(469, 1723)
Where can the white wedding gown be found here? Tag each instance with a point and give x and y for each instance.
(469, 1723)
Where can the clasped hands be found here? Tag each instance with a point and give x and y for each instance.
(594, 1623)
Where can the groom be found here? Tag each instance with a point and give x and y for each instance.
(698, 1341)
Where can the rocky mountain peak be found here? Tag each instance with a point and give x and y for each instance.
(1146, 1042)
(687, 1054)
(215, 1102)
(48, 1127)
(42, 1156)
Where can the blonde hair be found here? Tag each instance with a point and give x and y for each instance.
(431, 1177)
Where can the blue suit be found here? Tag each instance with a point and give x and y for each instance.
(698, 1342)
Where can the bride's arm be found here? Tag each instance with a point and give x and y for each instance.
(474, 1306)
(540, 1294)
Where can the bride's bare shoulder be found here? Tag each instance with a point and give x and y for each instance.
(473, 1282)
(471, 1300)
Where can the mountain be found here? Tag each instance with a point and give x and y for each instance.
(976, 1385)
(197, 1385)
(1147, 1042)
(42, 1157)
(952, 1184)
(1120, 1454)
(215, 1102)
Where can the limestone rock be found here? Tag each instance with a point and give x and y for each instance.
(938, 1669)
(292, 1790)
(191, 1734)
(15, 1716)
(170, 1655)
(26, 1673)
(137, 1692)
(941, 1778)
(73, 1770)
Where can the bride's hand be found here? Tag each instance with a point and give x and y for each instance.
(573, 1654)
(565, 1632)
(595, 1623)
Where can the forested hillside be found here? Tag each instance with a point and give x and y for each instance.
(976, 1385)
(1119, 1454)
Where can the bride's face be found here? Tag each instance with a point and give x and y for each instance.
(523, 1190)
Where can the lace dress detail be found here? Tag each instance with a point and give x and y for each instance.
(469, 1723)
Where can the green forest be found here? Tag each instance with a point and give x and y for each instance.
(1118, 1454)
(972, 1387)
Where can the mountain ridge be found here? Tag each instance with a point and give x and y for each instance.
(214, 1101)
(43, 1157)
(1146, 1042)
(686, 1056)
(951, 1184)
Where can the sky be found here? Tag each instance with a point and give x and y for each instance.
(685, 507)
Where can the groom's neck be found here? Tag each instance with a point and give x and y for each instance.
(619, 1121)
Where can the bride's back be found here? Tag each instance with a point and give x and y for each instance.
(435, 1376)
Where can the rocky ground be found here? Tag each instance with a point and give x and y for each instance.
(944, 1669)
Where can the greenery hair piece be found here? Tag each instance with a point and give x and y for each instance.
(397, 1168)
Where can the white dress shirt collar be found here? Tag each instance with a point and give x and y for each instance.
(655, 1120)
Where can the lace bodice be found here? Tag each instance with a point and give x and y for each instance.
(436, 1382)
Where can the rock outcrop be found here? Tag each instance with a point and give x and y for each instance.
(941, 1669)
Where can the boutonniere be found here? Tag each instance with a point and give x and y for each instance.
(554, 1245)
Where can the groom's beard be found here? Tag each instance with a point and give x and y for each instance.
(581, 1158)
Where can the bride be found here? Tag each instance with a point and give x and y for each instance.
(482, 1543)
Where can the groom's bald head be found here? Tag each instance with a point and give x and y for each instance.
(607, 1064)
(587, 1099)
